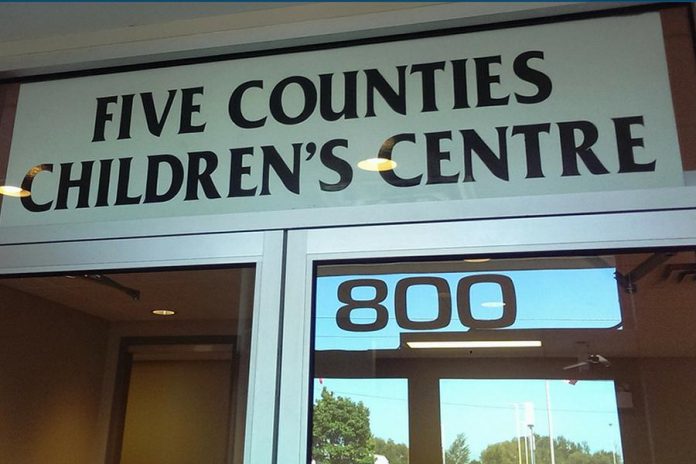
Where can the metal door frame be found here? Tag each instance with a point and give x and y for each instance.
(264, 250)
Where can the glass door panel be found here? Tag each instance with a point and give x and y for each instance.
(163, 356)
(79, 319)
(496, 354)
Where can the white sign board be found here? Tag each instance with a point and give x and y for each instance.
(558, 108)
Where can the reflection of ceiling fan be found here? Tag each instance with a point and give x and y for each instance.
(589, 360)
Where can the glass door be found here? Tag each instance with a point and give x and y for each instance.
(140, 351)
(458, 359)
(458, 343)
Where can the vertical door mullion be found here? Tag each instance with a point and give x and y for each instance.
(294, 372)
(264, 350)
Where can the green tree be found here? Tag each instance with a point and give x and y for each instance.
(341, 431)
(458, 451)
(396, 453)
(504, 452)
(566, 452)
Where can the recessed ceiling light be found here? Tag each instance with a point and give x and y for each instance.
(477, 260)
(377, 164)
(163, 312)
(493, 304)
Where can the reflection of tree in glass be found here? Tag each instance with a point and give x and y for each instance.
(341, 431)
(566, 452)
(396, 453)
(458, 451)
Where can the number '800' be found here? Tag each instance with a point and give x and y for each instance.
(444, 303)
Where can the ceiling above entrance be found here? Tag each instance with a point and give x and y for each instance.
(193, 294)
(25, 21)
(41, 38)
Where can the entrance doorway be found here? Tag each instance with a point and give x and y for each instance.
(180, 400)
(489, 360)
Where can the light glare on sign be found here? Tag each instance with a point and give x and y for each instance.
(12, 191)
(377, 164)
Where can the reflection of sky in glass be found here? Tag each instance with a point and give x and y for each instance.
(484, 410)
(546, 299)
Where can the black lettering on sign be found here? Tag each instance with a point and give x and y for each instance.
(444, 303)
(345, 295)
(336, 164)
(156, 114)
(509, 302)
(28, 202)
(443, 318)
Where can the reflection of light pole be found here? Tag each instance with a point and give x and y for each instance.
(613, 444)
(517, 431)
(526, 447)
(532, 444)
(529, 420)
(548, 416)
(444, 460)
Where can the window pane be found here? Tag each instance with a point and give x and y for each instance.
(472, 339)
(361, 311)
(582, 419)
(374, 413)
(87, 368)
